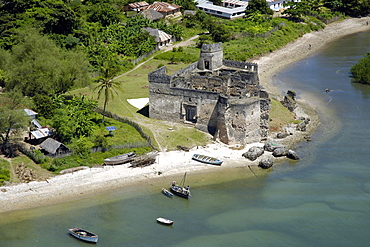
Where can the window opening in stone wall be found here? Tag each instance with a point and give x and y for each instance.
(191, 113)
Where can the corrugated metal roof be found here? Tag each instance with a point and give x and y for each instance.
(159, 35)
(29, 112)
(138, 4)
(40, 133)
(162, 7)
(236, 2)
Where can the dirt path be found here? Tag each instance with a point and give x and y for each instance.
(184, 43)
(145, 122)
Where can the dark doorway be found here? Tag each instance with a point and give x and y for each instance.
(191, 113)
(206, 64)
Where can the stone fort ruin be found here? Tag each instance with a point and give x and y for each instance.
(217, 96)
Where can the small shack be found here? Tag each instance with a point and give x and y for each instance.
(54, 148)
(160, 37)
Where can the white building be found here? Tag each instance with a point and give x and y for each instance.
(220, 11)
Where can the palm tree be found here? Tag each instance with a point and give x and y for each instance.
(107, 85)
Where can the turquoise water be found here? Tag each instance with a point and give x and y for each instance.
(322, 200)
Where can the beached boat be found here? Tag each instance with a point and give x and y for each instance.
(180, 190)
(166, 192)
(164, 221)
(83, 235)
(207, 159)
(120, 159)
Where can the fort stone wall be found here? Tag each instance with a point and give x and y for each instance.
(217, 96)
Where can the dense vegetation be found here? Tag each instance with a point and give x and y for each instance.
(49, 47)
(361, 70)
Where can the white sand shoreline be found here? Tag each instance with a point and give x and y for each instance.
(96, 180)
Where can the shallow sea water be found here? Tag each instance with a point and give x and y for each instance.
(322, 200)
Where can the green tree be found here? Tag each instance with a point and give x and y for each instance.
(297, 9)
(73, 117)
(106, 83)
(37, 66)
(219, 32)
(361, 70)
(13, 120)
(258, 6)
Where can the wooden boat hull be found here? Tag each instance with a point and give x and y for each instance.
(207, 159)
(89, 237)
(166, 192)
(164, 221)
(180, 191)
(120, 159)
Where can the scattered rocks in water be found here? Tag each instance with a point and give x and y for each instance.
(280, 151)
(289, 101)
(307, 138)
(270, 147)
(253, 153)
(292, 155)
(266, 163)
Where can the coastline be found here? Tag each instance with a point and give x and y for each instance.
(95, 180)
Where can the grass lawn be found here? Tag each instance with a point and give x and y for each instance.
(135, 85)
(279, 116)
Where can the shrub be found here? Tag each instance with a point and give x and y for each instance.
(361, 70)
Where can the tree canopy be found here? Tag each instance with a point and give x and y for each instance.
(13, 118)
(258, 6)
(361, 70)
(36, 65)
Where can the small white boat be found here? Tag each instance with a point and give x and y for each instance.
(164, 221)
(83, 235)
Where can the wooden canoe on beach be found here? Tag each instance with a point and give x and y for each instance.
(83, 235)
(207, 159)
(120, 159)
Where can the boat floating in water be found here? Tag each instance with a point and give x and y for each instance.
(84, 235)
(181, 190)
(207, 159)
(164, 221)
(166, 192)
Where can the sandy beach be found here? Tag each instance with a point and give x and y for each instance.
(96, 180)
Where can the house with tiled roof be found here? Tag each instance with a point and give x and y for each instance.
(166, 9)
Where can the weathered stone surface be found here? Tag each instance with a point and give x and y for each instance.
(217, 96)
(25, 174)
(292, 155)
(289, 101)
(279, 152)
(282, 135)
(270, 147)
(266, 163)
(302, 126)
(253, 153)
